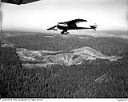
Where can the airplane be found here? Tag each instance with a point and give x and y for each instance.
(71, 25)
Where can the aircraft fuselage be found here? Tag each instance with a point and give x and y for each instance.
(71, 28)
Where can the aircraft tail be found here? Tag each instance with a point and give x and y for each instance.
(52, 28)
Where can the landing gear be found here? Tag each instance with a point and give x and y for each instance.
(64, 32)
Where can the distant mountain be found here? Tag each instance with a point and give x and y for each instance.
(71, 57)
(34, 41)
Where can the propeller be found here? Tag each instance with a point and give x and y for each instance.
(94, 26)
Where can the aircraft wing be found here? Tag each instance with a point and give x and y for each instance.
(18, 2)
(75, 21)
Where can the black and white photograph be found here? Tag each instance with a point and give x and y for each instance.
(64, 49)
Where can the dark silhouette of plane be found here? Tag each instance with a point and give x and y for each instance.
(70, 25)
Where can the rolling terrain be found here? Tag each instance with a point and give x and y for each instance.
(72, 57)
(53, 66)
(40, 41)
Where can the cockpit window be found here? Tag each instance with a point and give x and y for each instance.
(63, 25)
